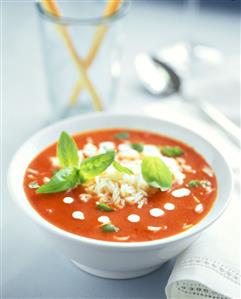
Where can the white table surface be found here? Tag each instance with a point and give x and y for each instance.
(30, 267)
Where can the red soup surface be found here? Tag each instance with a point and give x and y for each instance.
(133, 210)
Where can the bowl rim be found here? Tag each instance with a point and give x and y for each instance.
(37, 218)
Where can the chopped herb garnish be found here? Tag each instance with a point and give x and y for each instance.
(206, 183)
(33, 185)
(104, 207)
(110, 228)
(121, 168)
(197, 183)
(194, 183)
(138, 147)
(172, 151)
(122, 135)
(156, 173)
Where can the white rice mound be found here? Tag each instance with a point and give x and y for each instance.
(119, 189)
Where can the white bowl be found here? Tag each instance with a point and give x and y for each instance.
(113, 259)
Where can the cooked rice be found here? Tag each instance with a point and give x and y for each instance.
(118, 189)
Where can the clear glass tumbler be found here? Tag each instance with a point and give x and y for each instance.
(82, 55)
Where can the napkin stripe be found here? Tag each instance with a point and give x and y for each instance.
(197, 289)
(209, 263)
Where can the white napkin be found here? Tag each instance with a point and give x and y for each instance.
(210, 267)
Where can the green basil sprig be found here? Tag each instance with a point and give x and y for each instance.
(156, 173)
(72, 172)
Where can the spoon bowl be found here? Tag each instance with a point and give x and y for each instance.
(160, 79)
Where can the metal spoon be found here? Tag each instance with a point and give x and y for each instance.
(160, 79)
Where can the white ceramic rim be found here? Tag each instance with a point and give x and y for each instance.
(111, 244)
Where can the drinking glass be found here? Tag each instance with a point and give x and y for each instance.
(67, 90)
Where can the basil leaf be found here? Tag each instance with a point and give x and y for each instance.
(64, 179)
(197, 183)
(156, 173)
(104, 207)
(94, 166)
(67, 151)
(122, 135)
(172, 151)
(138, 147)
(110, 228)
(121, 168)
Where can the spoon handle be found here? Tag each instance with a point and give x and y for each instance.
(221, 120)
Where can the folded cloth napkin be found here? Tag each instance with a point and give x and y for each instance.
(210, 267)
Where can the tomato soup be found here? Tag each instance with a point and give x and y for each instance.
(155, 187)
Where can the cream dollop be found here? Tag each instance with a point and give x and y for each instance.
(199, 208)
(181, 192)
(169, 206)
(78, 215)
(68, 200)
(156, 212)
(104, 219)
(153, 228)
(134, 218)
